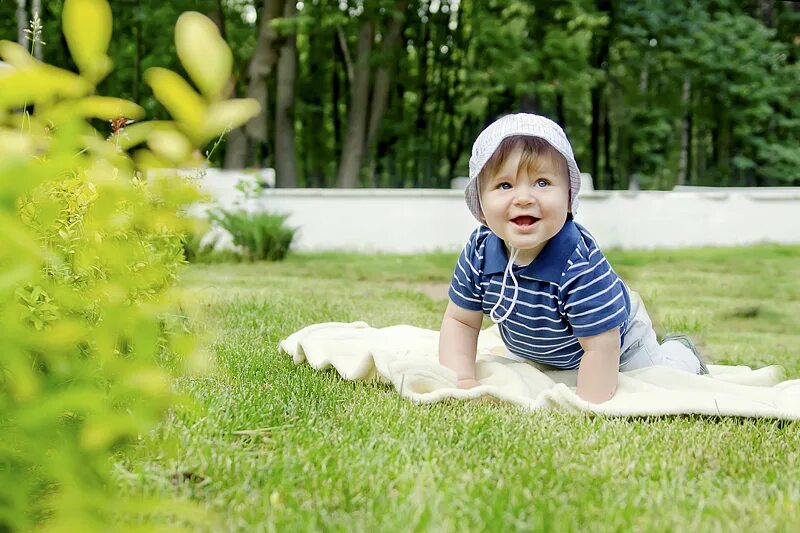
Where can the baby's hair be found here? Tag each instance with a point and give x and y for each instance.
(532, 148)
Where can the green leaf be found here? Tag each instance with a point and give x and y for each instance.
(16, 55)
(130, 136)
(41, 83)
(108, 108)
(229, 114)
(15, 143)
(102, 107)
(203, 53)
(171, 145)
(182, 102)
(87, 29)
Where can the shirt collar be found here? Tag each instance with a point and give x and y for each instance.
(547, 266)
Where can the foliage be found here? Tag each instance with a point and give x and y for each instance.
(193, 247)
(612, 72)
(743, 131)
(196, 250)
(264, 235)
(91, 245)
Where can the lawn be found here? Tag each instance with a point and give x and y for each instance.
(277, 447)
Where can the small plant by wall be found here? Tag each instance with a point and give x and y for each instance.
(263, 235)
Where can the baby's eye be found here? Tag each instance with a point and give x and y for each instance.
(541, 182)
(504, 185)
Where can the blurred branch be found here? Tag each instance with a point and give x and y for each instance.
(348, 61)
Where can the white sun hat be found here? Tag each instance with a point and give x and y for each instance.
(519, 124)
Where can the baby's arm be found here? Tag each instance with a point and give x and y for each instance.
(597, 374)
(458, 343)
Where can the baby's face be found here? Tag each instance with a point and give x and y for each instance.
(526, 207)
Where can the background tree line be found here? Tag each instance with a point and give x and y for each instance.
(391, 93)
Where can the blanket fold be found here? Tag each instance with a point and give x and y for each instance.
(407, 357)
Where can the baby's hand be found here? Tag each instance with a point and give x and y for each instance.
(468, 383)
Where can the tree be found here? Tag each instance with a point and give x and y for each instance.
(286, 175)
(392, 92)
(254, 136)
(353, 146)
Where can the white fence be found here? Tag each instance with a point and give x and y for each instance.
(416, 220)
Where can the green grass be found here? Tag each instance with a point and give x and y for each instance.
(353, 456)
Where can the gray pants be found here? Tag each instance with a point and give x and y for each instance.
(641, 349)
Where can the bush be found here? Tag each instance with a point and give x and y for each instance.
(91, 245)
(263, 235)
(195, 251)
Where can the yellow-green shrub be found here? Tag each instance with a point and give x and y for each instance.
(91, 242)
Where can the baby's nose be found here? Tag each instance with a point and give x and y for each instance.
(523, 197)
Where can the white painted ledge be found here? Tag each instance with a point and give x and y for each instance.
(420, 220)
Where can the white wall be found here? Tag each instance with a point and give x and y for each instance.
(623, 219)
(414, 220)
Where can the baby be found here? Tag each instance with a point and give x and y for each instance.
(539, 275)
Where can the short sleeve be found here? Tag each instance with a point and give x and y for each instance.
(595, 299)
(465, 288)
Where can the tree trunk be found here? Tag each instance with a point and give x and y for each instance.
(561, 115)
(353, 149)
(452, 149)
(441, 133)
(265, 55)
(600, 56)
(383, 81)
(421, 119)
(722, 143)
(237, 149)
(336, 95)
(455, 90)
(702, 155)
(285, 169)
(400, 150)
(623, 155)
(683, 163)
(694, 145)
(22, 23)
(218, 16)
(596, 95)
(529, 103)
(137, 55)
(644, 76)
(264, 58)
(608, 170)
(314, 142)
(766, 10)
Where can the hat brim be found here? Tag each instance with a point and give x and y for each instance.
(474, 204)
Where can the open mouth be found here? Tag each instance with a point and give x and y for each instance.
(524, 221)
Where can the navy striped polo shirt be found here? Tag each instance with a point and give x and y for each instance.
(568, 291)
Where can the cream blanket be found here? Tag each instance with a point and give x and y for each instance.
(406, 356)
